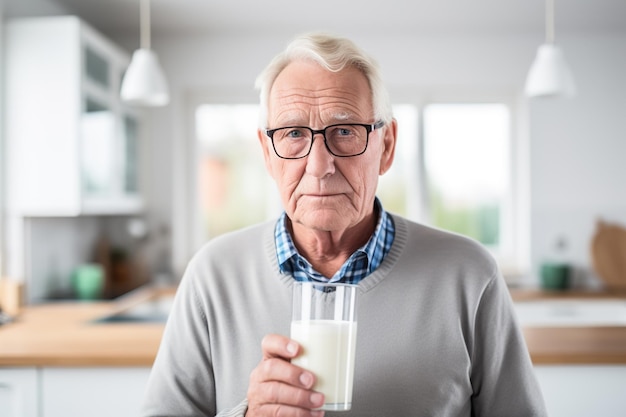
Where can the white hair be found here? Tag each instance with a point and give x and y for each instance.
(333, 53)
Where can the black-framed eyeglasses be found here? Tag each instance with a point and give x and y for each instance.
(343, 140)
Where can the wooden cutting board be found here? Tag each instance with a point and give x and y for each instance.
(608, 254)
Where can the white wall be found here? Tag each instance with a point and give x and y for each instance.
(578, 174)
(576, 146)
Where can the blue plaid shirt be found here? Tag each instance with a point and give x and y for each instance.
(360, 264)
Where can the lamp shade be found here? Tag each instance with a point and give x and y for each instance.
(144, 83)
(549, 75)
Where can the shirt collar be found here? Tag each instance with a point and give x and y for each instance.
(372, 253)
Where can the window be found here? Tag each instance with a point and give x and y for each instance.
(466, 161)
(399, 188)
(456, 164)
(233, 188)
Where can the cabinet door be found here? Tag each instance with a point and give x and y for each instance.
(93, 392)
(43, 102)
(109, 130)
(66, 130)
(18, 392)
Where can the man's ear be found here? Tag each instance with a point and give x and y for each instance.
(267, 152)
(389, 143)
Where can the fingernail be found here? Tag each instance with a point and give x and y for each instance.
(292, 348)
(317, 399)
(318, 413)
(306, 379)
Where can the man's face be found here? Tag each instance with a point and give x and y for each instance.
(321, 191)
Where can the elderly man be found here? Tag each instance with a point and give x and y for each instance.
(437, 334)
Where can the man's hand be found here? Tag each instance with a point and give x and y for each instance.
(278, 388)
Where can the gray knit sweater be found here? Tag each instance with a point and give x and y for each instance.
(437, 332)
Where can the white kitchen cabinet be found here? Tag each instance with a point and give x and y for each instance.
(93, 392)
(72, 392)
(583, 390)
(71, 143)
(19, 392)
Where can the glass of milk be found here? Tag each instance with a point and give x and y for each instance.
(324, 324)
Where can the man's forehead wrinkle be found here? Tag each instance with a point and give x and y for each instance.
(325, 101)
(299, 119)
(293, 114)
(293, 104)
(315, 94)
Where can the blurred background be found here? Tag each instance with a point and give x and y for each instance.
(89, 180)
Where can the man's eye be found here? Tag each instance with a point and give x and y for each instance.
(344, 131)
(294, 133)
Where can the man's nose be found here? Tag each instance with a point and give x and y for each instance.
(320, 161)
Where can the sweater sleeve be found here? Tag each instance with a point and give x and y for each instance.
(182, 381)
(502, 375)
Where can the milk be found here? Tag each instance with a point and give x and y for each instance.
(328, 351)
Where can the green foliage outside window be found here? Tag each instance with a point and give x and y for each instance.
(480, 222)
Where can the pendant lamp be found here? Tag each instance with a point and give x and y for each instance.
(549, 75)
(144, 83)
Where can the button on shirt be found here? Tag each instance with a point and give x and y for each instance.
(361, 263)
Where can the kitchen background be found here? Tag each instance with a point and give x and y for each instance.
(566, 168)
(86, 178)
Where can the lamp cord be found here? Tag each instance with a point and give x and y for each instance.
(549, 21)
(145, 24)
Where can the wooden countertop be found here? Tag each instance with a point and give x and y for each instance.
(62, 334)
(576, 345)
(573, 345)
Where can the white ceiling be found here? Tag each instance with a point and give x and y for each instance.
(121, 17)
